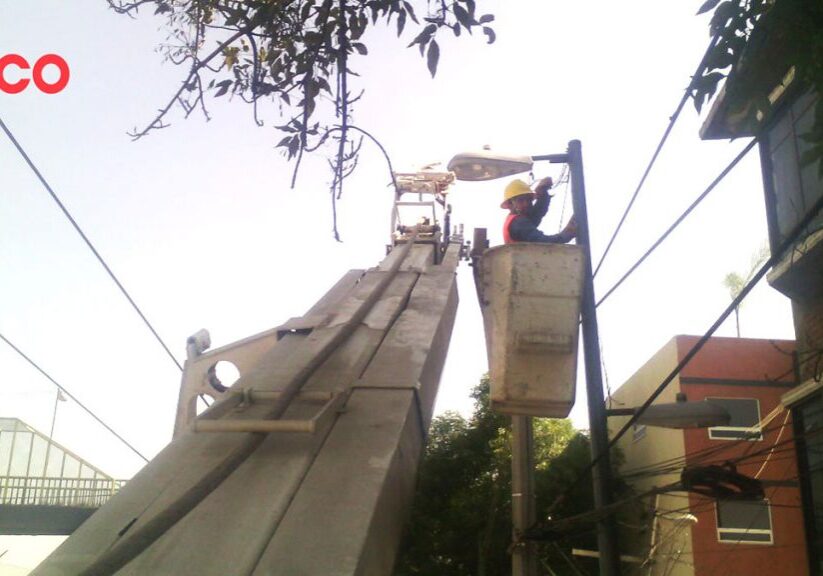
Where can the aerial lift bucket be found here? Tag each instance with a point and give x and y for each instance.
(530, 298)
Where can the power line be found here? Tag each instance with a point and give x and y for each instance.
(736, 544)
(87, 241)
(788, 241)
(672, 119)
(701, 456)
(70, 395)
(680, 219)
(764, 428)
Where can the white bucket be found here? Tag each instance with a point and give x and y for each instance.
(531, 307)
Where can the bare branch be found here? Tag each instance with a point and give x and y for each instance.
(128, 7)
(196, 66)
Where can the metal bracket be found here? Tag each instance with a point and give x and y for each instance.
(334, 402)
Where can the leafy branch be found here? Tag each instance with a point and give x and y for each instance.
(294, 54)
(741, 27)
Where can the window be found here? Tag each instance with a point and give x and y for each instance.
(744, 425)
(744, 521)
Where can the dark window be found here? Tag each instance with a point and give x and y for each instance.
(796, 185)
(745, 422)
(744, 521)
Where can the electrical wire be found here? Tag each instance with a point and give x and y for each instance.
(87, 241)
(735, 545)
(787, 242)
(70, 395)
(697, 456)
(701, 457)
(679, 220)
(672, 120)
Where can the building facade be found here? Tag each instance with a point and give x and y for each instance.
(689, 534)
(769, 101)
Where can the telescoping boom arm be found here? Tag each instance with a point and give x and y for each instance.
(307, 464)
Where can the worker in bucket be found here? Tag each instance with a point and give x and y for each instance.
(526, 210)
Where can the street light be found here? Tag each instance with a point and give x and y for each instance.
(478, 166)
(486, 166)
(678, 415)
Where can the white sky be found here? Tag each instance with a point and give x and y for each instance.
(198, 221)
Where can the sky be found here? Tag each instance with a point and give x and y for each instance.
(199, 223)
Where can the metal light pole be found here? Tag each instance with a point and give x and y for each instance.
(601, 472)
(524, 559)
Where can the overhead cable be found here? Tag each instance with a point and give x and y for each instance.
(70, 395)
(788, 241)
(792, 237)
(680, 219)
(672, 119)
(87, 241)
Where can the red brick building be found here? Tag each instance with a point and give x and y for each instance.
(688, 534)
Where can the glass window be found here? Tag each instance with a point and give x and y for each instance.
(745, 421)
(20, 452)
(744, 521)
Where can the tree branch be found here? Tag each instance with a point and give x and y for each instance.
(197, 65)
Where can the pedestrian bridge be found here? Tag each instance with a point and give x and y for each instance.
(44, 488)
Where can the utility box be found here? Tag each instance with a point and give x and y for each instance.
(530, 298)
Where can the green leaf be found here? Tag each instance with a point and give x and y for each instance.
(361, 48)
(323, 84)
(720, 59)
(223, 87)
(722, 14)
(401, 22)
(707, 5)
(490, 34)
(463, 17)
(410, 10)
(304, 13)
(424, 36)
(433, 57)
(486, 18)
(294, 146)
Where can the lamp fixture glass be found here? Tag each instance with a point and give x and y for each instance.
(477, 166)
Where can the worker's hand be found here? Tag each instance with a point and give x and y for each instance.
(570, 231)
(544, 185)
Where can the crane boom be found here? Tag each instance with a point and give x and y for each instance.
(253, 496)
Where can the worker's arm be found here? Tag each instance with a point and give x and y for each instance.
(542, 201)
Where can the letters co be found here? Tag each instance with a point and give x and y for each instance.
(17, 61)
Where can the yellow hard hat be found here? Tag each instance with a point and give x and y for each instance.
(515, 188)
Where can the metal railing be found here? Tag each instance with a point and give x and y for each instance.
(73, 492)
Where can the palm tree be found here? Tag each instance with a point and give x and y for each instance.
(735, 283)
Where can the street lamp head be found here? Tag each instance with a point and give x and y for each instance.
(685, 415)
(477, 166)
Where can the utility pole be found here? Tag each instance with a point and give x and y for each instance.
(524, 559)
(601, 472)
